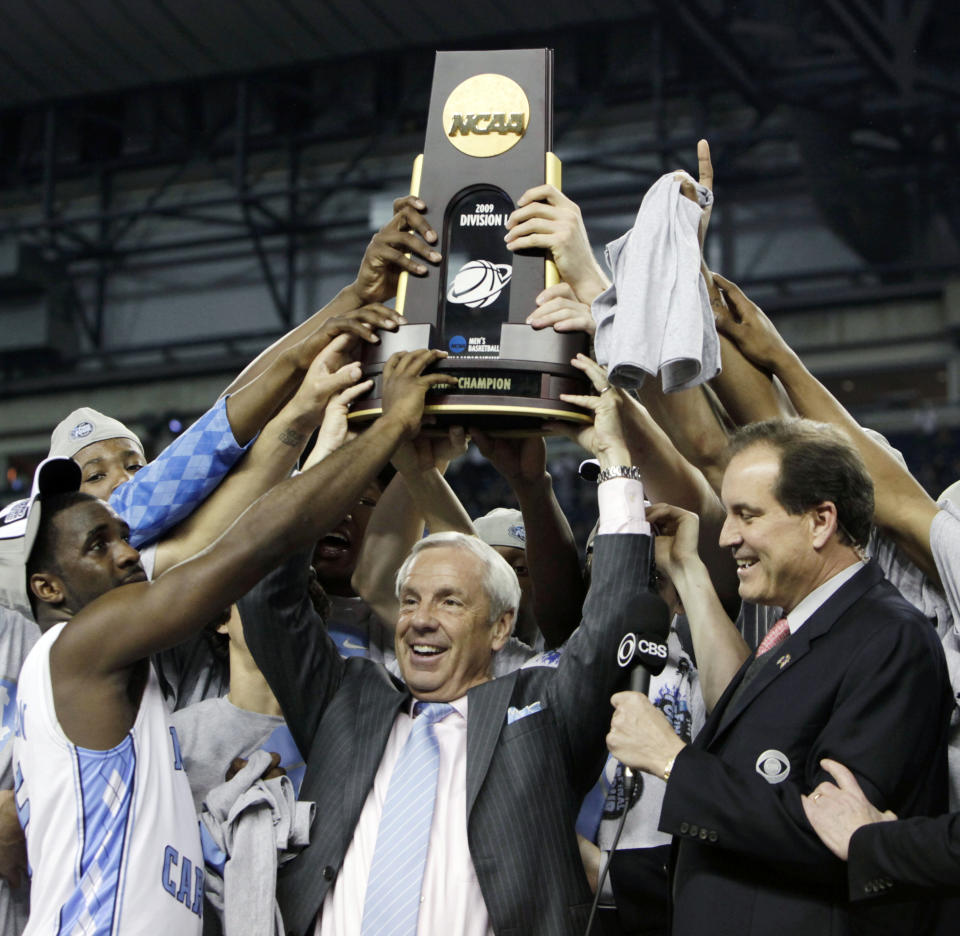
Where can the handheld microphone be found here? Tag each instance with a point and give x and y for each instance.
(646, 650)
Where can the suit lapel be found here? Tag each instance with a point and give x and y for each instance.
(486, 715)
(376, 712)
(794, 648)
(710, 726)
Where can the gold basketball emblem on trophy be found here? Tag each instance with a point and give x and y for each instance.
(486, 115)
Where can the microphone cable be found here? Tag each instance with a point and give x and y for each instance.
(629, 782)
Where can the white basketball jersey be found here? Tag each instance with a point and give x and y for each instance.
(112, 836)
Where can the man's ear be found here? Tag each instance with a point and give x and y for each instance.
(502, 628)
(823, 523)
(47, 587)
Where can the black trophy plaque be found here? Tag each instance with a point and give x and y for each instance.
(489, 138)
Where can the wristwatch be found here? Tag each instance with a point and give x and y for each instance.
(619, 471)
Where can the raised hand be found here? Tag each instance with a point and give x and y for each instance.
(746, 325)
(678, 533)
(605, 437)
(688, 189)
(407, 232)
(405, 386)
(426, 452)
(545, 218)
(559, 306)
(520, 461)
(335, 430)
(358, 325)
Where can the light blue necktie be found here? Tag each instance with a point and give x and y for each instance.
(392, 904)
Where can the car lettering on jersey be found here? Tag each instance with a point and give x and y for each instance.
(190, 891)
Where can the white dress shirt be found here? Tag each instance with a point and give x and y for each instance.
(451, 901)
(805, 609)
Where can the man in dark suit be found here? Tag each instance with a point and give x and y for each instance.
(886, 859)
(858, 675)
(517, 753)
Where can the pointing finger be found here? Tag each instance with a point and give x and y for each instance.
(705, 165)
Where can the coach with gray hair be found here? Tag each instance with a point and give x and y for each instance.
(446, 802)
(852, 672)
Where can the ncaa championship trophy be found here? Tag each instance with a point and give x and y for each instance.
(489, 139)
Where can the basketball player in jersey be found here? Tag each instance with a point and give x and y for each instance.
(112, 839)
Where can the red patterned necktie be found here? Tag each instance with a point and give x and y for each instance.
(777, 634)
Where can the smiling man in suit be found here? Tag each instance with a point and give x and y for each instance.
(851, 672)
(488, 774)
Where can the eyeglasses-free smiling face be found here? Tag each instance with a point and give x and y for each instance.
(777, 563)
(445, 640)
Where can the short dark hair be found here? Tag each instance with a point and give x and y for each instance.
(817, 464)
(43, 555)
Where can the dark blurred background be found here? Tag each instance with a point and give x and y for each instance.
(180, 182)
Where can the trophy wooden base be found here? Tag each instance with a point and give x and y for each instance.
(500, 396)
(497, 416)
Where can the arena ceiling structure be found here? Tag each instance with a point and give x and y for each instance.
(180, 181)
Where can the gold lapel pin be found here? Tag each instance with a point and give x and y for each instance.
(783, 661)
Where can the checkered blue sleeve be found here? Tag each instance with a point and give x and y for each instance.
(177, 481)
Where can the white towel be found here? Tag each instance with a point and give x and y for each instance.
(249, 827)
(656, 317)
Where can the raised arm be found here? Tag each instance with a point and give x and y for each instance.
(407, 232)
(128, 623)
(254, 402)
(692, 425)
(270, 460)
(551, 551)
(690, 417)
(718, 646)
(746, 392)
(670, 477)
(902, 507)
(546, 219)
(417, 495)
(615, 603)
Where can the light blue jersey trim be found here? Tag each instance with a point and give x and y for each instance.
(104, 781)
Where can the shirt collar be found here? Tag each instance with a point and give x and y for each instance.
(805, 609)
(459, 706)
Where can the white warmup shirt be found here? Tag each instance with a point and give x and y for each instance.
(112, 835)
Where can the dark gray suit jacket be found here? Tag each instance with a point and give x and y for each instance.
(525, 781)
(864, 682)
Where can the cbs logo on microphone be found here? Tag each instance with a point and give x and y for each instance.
(630, 646)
